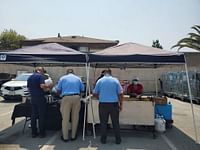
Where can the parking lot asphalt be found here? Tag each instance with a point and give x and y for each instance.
(180, 137)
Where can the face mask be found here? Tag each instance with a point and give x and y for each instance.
(135, 82)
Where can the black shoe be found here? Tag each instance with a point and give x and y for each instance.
(63, 139)
(118, 141)
(73, 139)
(103, 140)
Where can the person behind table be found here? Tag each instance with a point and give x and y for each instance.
(110, 94)
(101, 75)
(70, 87)
(135, 89)
(36, 85)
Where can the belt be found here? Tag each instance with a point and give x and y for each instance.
(108, 103)
(71, 94)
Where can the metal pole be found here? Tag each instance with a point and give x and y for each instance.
(156, 83)
(190, 95)
(84, 121)
(93, 123)
(86, 94)
(88, 98)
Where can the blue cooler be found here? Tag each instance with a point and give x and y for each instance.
(164, 110)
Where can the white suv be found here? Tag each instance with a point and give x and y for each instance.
(17, 88)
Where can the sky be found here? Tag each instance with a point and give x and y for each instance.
(137, 21)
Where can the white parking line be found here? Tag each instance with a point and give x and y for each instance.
(48, 145)
(4, 114)
(169, 143)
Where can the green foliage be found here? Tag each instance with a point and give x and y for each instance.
(9, 40)
(157, 44)
(193, 41)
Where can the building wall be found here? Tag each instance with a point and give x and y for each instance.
(149, 77)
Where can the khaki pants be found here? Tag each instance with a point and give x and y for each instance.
(70, 105)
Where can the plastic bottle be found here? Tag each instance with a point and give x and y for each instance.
(160, 124)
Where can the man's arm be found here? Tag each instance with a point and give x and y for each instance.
(45, 86)
(96, 90)
(42, 83)
(96, 95)
(120, 96)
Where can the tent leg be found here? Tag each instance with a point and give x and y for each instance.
(86, 94)
(93, 124)
(85, 112)
(190, 95)
(156, 83)
(84, 121)
(94, 132)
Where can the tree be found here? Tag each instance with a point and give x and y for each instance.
(193, 41)
(157, 44)
(9, 39)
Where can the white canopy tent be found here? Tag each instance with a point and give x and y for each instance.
(45, 54)
(126, 55)
(136, 55)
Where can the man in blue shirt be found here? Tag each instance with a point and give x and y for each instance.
(110, 94)
(70, 87)
(36, 85)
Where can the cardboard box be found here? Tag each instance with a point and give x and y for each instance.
(160, 100)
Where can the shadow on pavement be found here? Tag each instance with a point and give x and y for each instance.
(181, 140)
(138, 138)
(10, 101)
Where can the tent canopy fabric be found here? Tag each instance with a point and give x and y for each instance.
(124, 53)
(51, 53)
(136, 53)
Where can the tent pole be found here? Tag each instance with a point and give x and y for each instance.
(93, 123)
(190, 95)
(84, 121)
(156, 83)
(90, 100)
(86, 103)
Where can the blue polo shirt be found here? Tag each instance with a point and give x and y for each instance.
(33, 84)
(108, 88)
(70, 84)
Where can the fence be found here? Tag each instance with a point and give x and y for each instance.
(175, 85)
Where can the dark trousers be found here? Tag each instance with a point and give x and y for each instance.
(39, 108)
(106, 109)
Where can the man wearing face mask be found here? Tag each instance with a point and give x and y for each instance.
(135, 89)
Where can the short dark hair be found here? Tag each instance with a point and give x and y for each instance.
(40, 70)
(108, 71)
(103, 72)
(70, 71)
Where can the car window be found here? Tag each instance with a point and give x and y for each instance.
(22, 77)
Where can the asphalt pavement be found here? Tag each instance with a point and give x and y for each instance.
(180, 137)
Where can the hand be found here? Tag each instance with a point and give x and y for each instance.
(138, 96)
(133, 95)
